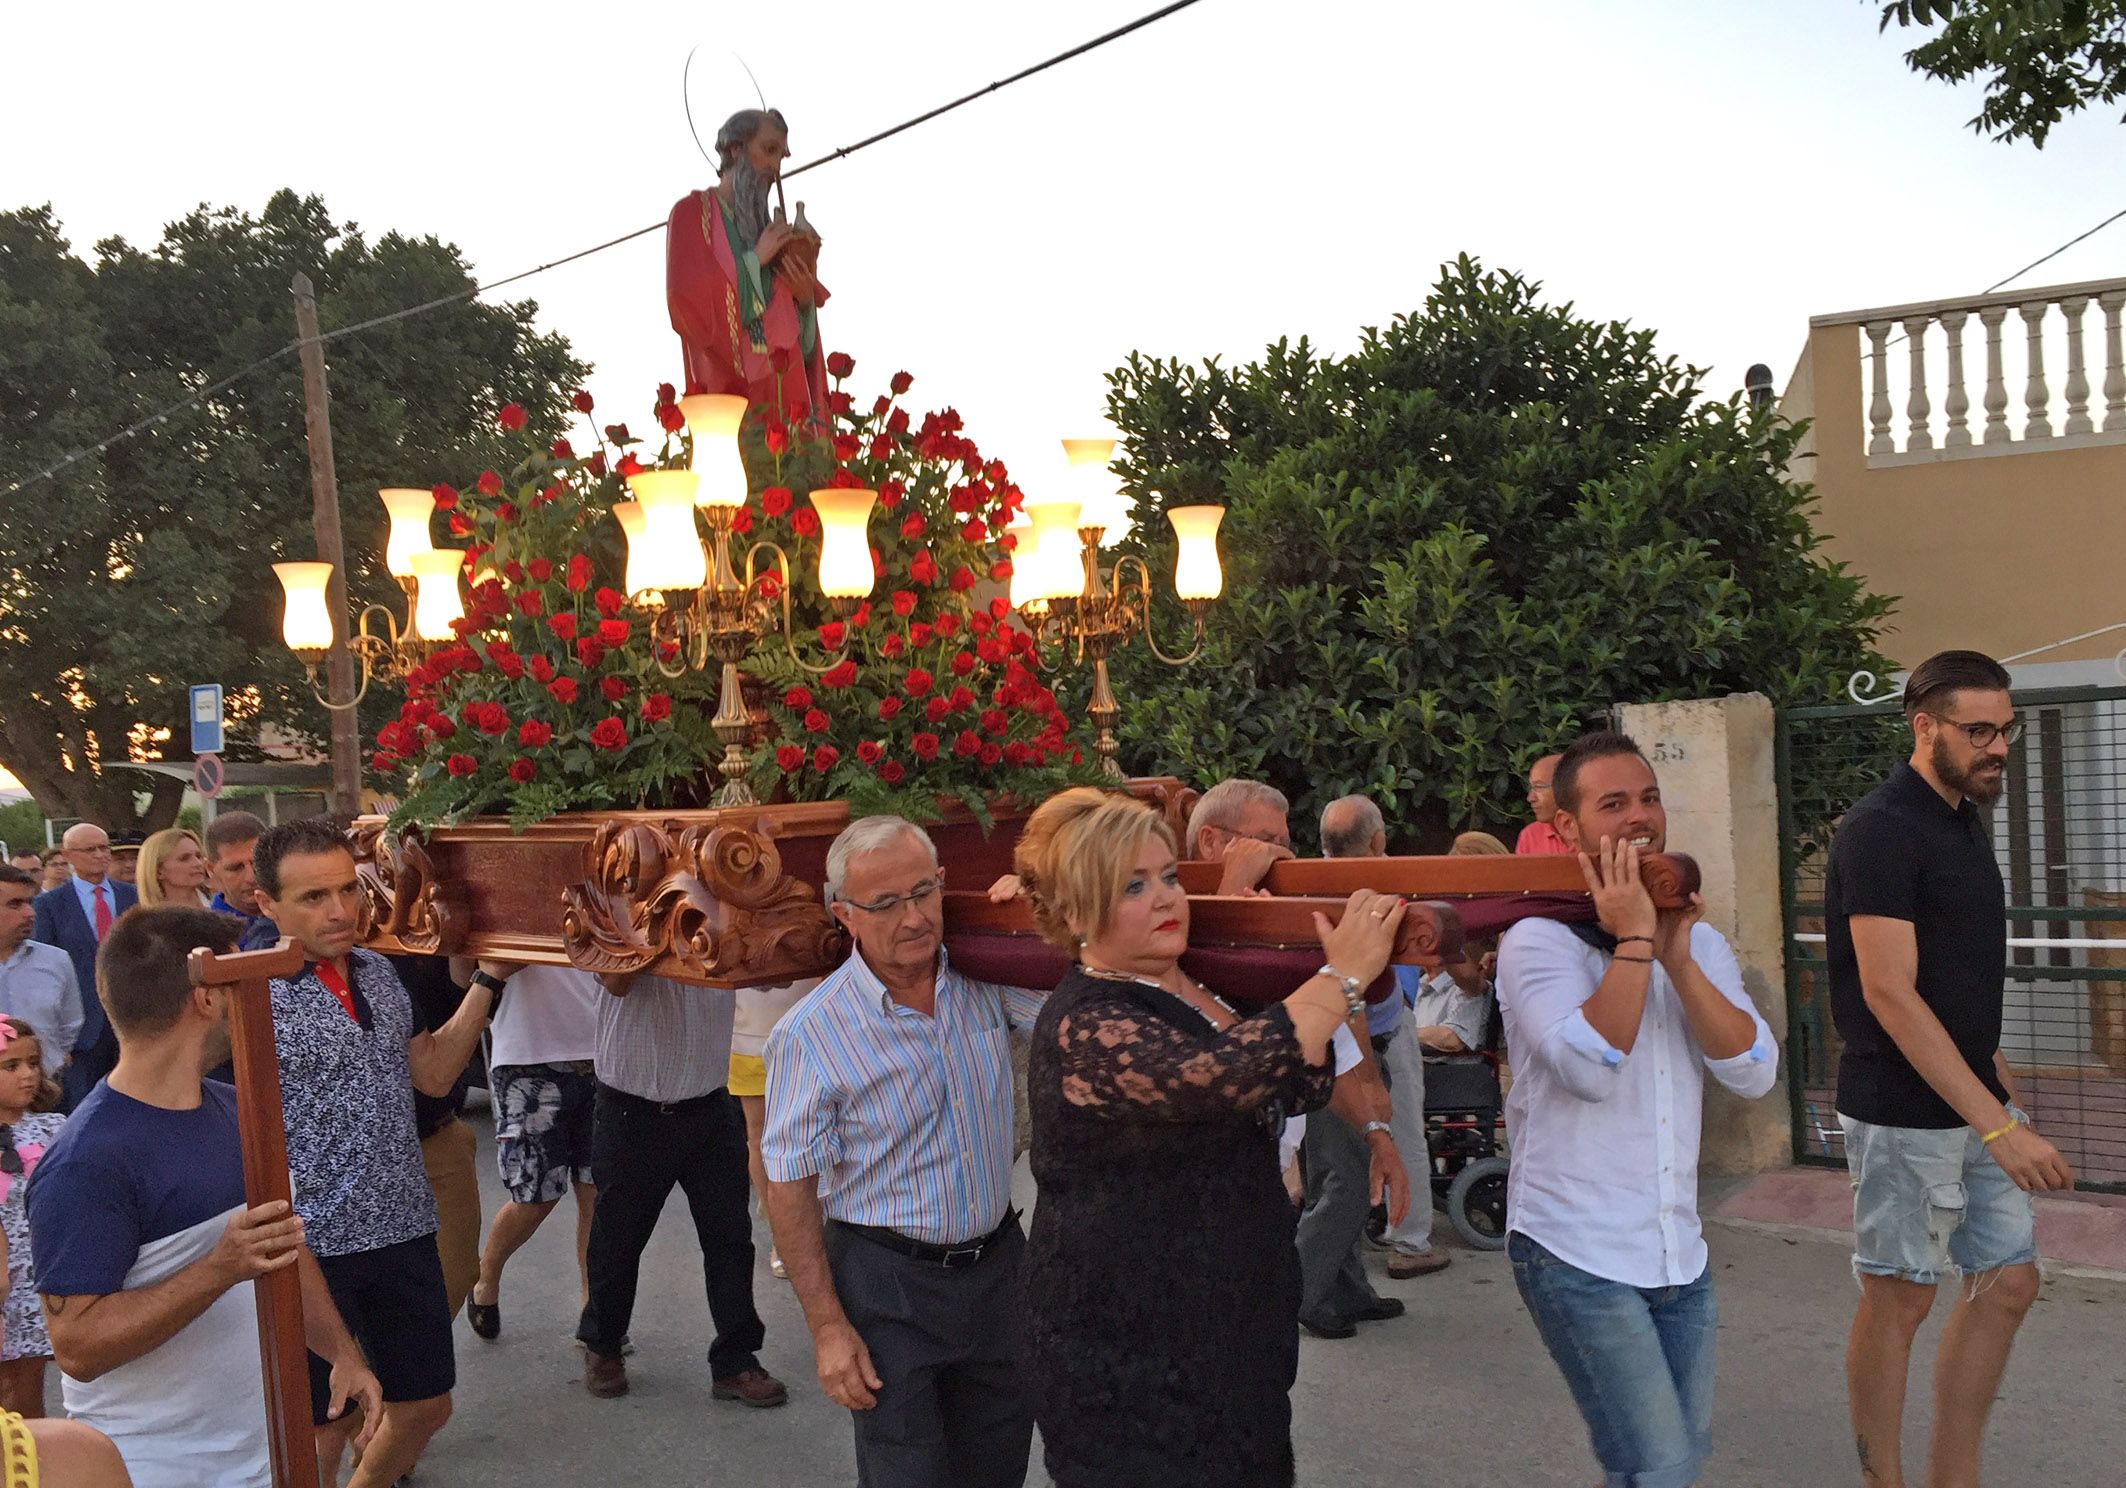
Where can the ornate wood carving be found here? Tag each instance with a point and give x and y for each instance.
(402, 895)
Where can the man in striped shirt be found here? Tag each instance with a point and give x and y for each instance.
(888, 1154)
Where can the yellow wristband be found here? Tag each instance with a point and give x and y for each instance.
(1990, 1137)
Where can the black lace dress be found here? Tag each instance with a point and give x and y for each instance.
(1162, 1283)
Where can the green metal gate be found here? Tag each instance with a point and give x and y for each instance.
(2060, 835)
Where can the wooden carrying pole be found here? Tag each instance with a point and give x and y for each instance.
(325, 523)
(283, 1355)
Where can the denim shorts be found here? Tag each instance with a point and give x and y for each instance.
(543, 1128)
(1927, 1203)
(1639, 1362)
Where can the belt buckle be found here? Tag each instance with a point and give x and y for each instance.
(962, 1255)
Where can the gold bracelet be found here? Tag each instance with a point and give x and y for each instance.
(1990, 1137)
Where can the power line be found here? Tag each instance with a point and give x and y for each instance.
(477, 289)
(2055, 253)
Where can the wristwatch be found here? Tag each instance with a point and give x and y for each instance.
(1377, 1126)
(493, 984)
(1354, 989)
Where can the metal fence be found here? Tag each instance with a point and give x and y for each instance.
(2060, 835)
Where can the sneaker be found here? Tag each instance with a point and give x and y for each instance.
(603, 1375)
(755, 1387)
(1404, 1264)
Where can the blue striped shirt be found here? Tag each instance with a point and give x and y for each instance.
(906, 1119)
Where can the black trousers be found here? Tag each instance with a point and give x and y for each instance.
(639, 1149)
(956, 1410)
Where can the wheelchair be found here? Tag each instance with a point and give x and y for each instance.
(1464, 1107)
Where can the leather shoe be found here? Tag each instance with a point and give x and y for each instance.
(755, 1387)
(485, 1317)
(1380, 1310)
(603, 1375)
(1404, 1264)
(1329, 1327)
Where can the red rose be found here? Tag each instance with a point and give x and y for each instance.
(901, 383)
(879, 405)
(912, 525)
(889, 495)
(610, 602)
(903, 602)
(824, 758)
(889, 708)
(990, 754)
(936, 709)
(531, 602)
(776, 438)
(490, 483)
(612, 688)
(881, 447)
(898, 424)
(832, 634)
(581, 402)
(533, 734)
(511, 417)
(459, 527)
(946, 625)
(923, 569)
(966, 744)
(563, 689)
(590, 651)
(770, 584)
(963, 579)
(382, 761)
(597, 464)
(742, 519)
(840, 402)
(562, 624)
(506, 512)
(666, 393)
(561, 449)
(999, 607)
(891, 772)
(609, 733)
(919, 634)
(797, 699)
(845, 446)
(892, 647)
(461, 764)
(995, 720)
(441, 727)
(670, 419)
(579, 573)
(962, 663)
(775, 500)
(629, 465)
(656, 707)
(445, 496)
(788, 758)
(521, 769)
(869, 751)
(925, 746)
(841, 674)
(541, 569)
(494, 720)
(916, 683)
(542, 670)
(975, 531)
(805, 523)
(816, 721)
(862, 617)
(613, 632)
(961, 699)
(1017, 752)
(1008, 541)
(840, 364)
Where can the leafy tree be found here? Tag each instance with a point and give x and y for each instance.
(136, 572)
(2041, 59)
(1452, 550)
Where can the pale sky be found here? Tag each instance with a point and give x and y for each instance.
(1239, 171)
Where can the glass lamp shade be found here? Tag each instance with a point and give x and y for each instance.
(306, 621)
(436, 603)
(410, 510)
(1057, 562)
(713, 420)
(667, 554)
(1197, 573)
(845, 542)
(1100, 501)
(632, 527)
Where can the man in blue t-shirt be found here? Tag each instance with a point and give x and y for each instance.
(142, 1241)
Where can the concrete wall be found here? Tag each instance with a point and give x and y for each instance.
(1715, 761)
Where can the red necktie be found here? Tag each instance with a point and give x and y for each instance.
(103, 914)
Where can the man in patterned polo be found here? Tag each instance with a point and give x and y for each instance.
(888, 1154)
(351, 1056)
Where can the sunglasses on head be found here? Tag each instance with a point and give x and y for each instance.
(10, 1159)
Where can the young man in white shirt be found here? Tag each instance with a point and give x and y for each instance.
(1613, 1030)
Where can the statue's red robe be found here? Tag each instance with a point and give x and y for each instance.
(702, 279)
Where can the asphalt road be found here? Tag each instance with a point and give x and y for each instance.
(1456, 1394)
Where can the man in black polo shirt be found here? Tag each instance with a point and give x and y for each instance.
(1943, 1162)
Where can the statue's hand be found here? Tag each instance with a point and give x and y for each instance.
(773, 239)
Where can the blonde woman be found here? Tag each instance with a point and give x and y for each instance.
(173, 869)
(1162, 1282)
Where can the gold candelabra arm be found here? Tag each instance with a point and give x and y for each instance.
(1141, 619)
(789, 634)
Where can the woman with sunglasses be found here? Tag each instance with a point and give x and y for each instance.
(1156, 1112)
(28, 1125)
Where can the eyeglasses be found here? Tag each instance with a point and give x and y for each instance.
(1982, 734)
(922, 893)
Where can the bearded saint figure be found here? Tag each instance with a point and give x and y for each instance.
(743, 284)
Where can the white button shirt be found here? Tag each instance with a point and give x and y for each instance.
(1605, 1144)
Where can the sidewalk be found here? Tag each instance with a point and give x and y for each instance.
(2077, 1234)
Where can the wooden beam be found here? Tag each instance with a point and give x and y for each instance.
(283, 1355)
(1670, 877)
(1429, 932)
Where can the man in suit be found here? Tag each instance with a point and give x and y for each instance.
(75, 917)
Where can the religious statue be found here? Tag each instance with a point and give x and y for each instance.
(743, 284)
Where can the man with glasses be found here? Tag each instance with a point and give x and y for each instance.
(1242, 824)
(1540, 838)
(1943, 1161)
(75, 917)
(888, 1155)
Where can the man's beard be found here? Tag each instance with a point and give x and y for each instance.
(1974, 783)
(749, 200)
(215, 1048)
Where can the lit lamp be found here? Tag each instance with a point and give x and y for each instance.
(306, 620)
(632, 527)
(1101, 502)
(670, 552)
(845, 572)
(436, 604)
(410, 510)
(712, 424)
(1066, 596)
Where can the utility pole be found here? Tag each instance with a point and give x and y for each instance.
(325, 522)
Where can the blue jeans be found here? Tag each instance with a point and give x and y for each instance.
(1927, 1203)
(1639, 1361)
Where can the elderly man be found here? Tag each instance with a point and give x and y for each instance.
(1242, 825)
(75, 917)
(1540, 837)
(888, 1155)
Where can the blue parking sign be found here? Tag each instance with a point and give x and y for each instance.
(206, 718)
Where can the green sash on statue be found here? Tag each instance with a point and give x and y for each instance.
(753, 292)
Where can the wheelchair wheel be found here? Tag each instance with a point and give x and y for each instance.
(1476, 1204)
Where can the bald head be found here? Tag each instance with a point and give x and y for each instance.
(1541, 799)
(1351, 827)
(87, 849)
